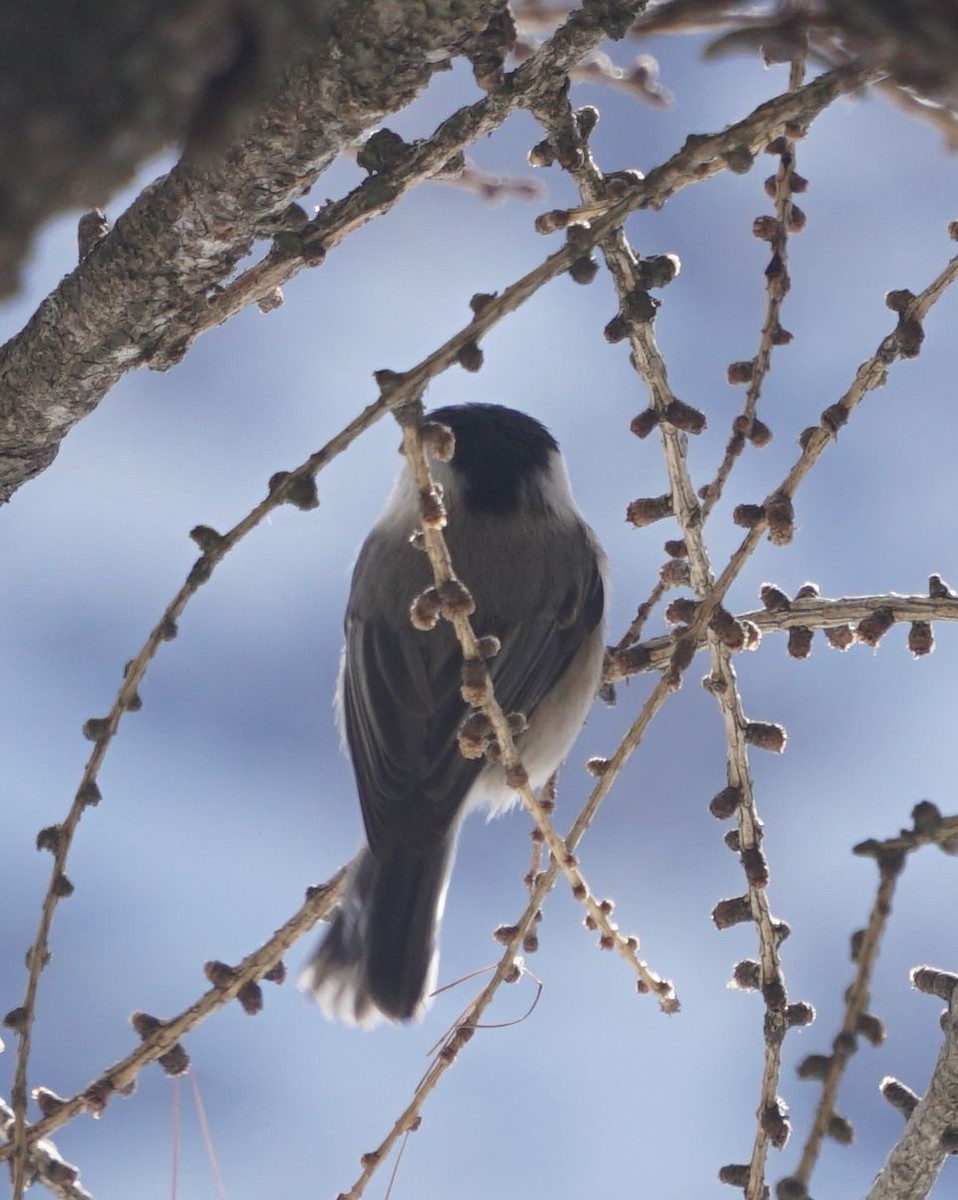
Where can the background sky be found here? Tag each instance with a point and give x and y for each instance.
(227, 795)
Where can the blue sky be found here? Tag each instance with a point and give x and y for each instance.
(227, 795)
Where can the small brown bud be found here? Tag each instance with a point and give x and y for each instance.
(517, 777)
(781, 929)
(470, 357)
(834, 417)
(774, 599)
(476, 687)
(277, 973)
(871, 1028)
(681, 610)
(844, 1044)
(899, 299)
(724, 804)
(583, 270)
(813, 1066)
(739, 160)
(856, 942)
(953, 230)
(425, 610)
(530, 943)
(872, 629)
(219, 974)
(456, 599)
(797, 220)
(640, 307)
(250, 997)
(208, 540)
(488, 646)
(933, 982)
(144, 1024)
(808, 591)
(438, 440)
(800, 641)
(747, 975)
(200, 572)
(597, 766)
(899, 1096)
(88, 794)
(729, 631)
(648, 510)
(16, 1019)
(387, 380)
(747, 516)
(926, 818)
(731, 912)
(676, 548)
(549, 222)
(776, 267)
(48, 1102)
(776, 1124)
(62, 887)
(617, 330)
(841, 637)
(644, 423)
(97, 729)
(909, 336)
(586, 119)
(657, 271)
(432, 509)
(49, 838)
(807, 436)
(840, 1129)
(921, 639)
(685, 417)
(766, 736)
(767, 228)
(481, 301)
(740, 372)
(755, 865)
(270, 301)
(733, 839)
(175, 1061)
(759, 433)
(781, 519)
(542, 154)
(735, 1174)
(781, 337)
(939, 590)
(799, 1014)
(505, 933)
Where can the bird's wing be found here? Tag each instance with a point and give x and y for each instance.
(403, 709)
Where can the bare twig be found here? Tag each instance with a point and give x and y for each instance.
(515, 773)
(812, 613)
(122, 1074)
(929, 828)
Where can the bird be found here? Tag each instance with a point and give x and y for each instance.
(538, 577)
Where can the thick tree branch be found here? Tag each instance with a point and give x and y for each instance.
(139, 294)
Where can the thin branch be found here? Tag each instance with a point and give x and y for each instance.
(515, 774)
(813, 613)
(165, 1037)
(929, 828)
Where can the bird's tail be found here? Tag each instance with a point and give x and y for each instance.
(379, 957)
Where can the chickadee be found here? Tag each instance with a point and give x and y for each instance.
(536, 573)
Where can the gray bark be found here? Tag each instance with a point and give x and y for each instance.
(223, 70)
